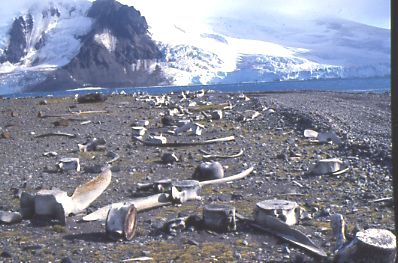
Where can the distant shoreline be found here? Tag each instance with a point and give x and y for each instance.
(365, 85)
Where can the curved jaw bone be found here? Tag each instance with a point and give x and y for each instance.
(56, 203)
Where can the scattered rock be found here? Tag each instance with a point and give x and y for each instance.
(217, 115)
(10, 217)
(67, 164)
(169, 158)
(6, 135)
(329, 166)
(209, 171)
(138, 131)
(91, 98)
(95, 144)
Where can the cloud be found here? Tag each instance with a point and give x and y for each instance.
(376, 13)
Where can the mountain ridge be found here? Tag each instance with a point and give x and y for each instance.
(66, 45)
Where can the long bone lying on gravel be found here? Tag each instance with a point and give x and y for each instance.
(208, 155)
(180, 144)
(278, 228)
(70, 135)
(71, 114)
(180, 192)
(57, 204)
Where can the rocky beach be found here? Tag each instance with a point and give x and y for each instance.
(266, 131)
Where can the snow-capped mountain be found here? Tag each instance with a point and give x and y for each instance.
(71, 44)
(247, 46)
(65, 44)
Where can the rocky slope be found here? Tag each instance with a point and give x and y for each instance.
(273, 142)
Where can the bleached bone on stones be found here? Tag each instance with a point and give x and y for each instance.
(93, 145)
(180, 192)
(8, 217)
(329, 166)
(142, 123)
(67, 164)
(322, 137)
(185, 190)
(338, 228)
(121, 222)
(156, 140)
(169, 158)
(194, 128)
(220, 218)
(287, 211)
(57, 204)
(138, 130)
(370, 245)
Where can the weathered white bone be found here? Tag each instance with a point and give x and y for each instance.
(208, 155)
(159, 143)
(209, 171)
(160, 186)
(141, 204)
(67, 164)
(194, 128)
(286, 211)
(185, 190)
(169, 158)
(219, 217)
(156, 140)
(238, 176)
(322, 137)
(57, 204)
(370, 245)
(121, 222)
(310, 134)
(287, 233)
(338, 228)
(8, 217)
(176, 225)
(69, 135)
(138, 130)
(142, 123)
(180, 192)
(329, 166)
(46, 200)
(85, 194)
(50, 154)
(93, 145)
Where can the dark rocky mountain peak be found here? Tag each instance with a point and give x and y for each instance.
(118, 51)
(20, 29)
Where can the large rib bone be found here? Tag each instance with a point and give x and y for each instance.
(57, 204)
(180, 192)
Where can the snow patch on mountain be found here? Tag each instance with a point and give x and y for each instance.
(55, 35)
(250, 46)
(106, 39)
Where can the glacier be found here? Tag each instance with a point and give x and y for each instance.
(203, 47)
(250, 46)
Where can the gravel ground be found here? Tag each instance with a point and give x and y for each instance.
(362, 121)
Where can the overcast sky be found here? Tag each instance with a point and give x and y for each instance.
(371, 12)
